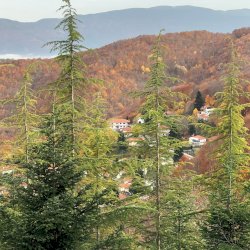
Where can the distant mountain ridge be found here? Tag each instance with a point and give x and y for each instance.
(27, 38)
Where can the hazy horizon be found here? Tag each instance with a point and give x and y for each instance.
(39, 9)
(27, 56)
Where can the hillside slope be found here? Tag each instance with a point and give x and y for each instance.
(196, 58)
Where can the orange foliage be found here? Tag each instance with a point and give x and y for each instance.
(196, 58)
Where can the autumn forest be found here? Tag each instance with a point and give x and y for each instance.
(140, 144)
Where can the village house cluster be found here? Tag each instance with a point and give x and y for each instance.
(125, 127)
(204, 113)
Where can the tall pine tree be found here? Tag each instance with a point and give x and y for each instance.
(24, 119)
(159, 145)
(46, 208)
(199, 101)
(72, 81)
(228, 220)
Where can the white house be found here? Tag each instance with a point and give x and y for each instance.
(5, 172)
(207, 110)
(165, 131)
(118, 124)
(204, 114)
(125, 185)
(124, 188)
(140, 120)
(197, 140)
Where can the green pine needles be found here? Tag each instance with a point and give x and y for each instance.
(228, 222)
(72, 80)
(79, 185)
(25, 118)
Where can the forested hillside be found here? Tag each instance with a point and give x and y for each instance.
(141, 144)
(197, 58)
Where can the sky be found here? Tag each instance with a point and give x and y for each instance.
(32, 10)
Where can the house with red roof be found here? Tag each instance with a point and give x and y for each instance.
(134, 141)
(197, 140)
(203, 117)
(118, 124)
(186, 158)
(124, 188)
(127, 131)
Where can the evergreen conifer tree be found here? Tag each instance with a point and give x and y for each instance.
(48, 216)
(159, 148)
(72, 81)
(47, 207)
(180, 220)
(112, 216)
(23, 120)
(228, 224)
(199, 101)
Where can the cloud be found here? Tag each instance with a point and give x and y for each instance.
(16, 56)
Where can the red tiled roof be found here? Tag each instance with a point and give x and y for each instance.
(118, 120)
(169, 112)
(198, 137)
(164, 127)
(127, 130)
(125, 185)
(24, 184)
(123, 196)
(186, 157)
(132, 139)
(204, 116)
(127, 179)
